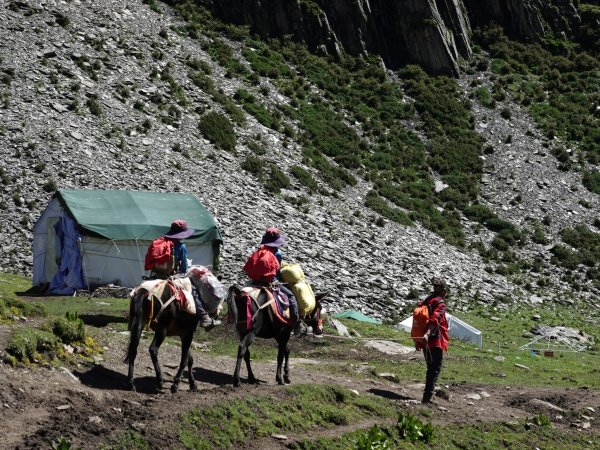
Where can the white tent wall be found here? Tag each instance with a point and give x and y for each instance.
(122, 262)
(457, 329)
(44, 263)
(104, 261)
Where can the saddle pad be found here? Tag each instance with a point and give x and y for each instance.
(280, 311)
(183, 295)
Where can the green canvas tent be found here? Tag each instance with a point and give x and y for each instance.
(356, 315)
(96, 237)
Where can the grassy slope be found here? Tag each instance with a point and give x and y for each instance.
(323, 406)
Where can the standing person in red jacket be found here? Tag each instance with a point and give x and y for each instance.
(436, 336)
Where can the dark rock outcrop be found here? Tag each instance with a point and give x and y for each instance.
(528, 20)
(433, 33)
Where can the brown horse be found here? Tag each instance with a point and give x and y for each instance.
(166, 318)
(265, 325)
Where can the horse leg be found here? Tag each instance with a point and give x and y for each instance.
(193, 385)
(280, 357)
(286, 364)
(186, 342)
(251, 377)
(136, 325)
(242, 351)
(159, 338)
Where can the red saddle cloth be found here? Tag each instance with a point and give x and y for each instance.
(278, 304)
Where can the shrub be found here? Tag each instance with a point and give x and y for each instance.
(478, 212)
(254, 165)
(591, 181)
(69, 329)
(411, 428)
(218, 129)
(304, 177)
(26, 343)
(277, 180)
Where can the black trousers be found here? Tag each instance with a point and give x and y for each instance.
(433, 358)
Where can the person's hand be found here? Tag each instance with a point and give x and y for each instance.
(426, 336)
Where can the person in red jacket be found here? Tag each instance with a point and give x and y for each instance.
(436, 336)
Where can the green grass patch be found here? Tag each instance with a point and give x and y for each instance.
(297, 409)
(521, 434)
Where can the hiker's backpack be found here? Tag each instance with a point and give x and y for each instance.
(420, 322)
(262, 265)
(159, 256)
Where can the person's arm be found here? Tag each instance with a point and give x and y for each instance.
(439, 310)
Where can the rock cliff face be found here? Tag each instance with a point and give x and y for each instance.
(433, 33)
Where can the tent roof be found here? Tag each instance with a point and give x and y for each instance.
(356, 315)
(125, 215)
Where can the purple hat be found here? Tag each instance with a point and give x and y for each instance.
(179, 230)
(273, 238)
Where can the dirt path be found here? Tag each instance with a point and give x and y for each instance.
(90, 405)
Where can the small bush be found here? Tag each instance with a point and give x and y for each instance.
(412, 429)
(219, 130)
(305, 178)
(254, 164)
(26, 343)
(591, 181)
(277, 180)
(69, 329)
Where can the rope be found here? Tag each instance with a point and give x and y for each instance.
(137, 246)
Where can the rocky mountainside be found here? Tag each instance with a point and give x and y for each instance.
(433, 33)
(96, 95)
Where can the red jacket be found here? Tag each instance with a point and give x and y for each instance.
(438, 324)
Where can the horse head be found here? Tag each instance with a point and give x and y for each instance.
(314, 319)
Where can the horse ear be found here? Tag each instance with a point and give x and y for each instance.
(220, 277)
(321, 295)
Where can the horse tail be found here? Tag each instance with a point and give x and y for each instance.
(232, 308)
(136, 323)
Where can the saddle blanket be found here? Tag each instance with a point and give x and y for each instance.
(276, 300)
(183, 291)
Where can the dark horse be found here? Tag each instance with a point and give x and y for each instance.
(265, 325)
(168, 320)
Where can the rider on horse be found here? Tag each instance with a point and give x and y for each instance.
(272, 241)
(179, 231)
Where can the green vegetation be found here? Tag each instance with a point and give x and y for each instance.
(583, 250)
(521, 434)
(295, 409)
(558, 82)
(218, 129)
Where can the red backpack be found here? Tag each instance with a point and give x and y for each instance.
(262, 265)
(160, 253)
(420, 323)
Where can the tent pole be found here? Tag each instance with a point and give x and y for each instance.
(87, 281)
(137, 246)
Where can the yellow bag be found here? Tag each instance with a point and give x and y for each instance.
(304, 296)
(291, 273)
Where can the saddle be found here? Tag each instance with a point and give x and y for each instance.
(181, 293)
(277, 301)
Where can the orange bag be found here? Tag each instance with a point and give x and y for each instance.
(420, 324)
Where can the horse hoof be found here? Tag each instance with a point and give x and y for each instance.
(252, 381)
(174, 389)
(280, 382)
(237, 383)
(194, 388)
(132, 388)
(287, 380)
